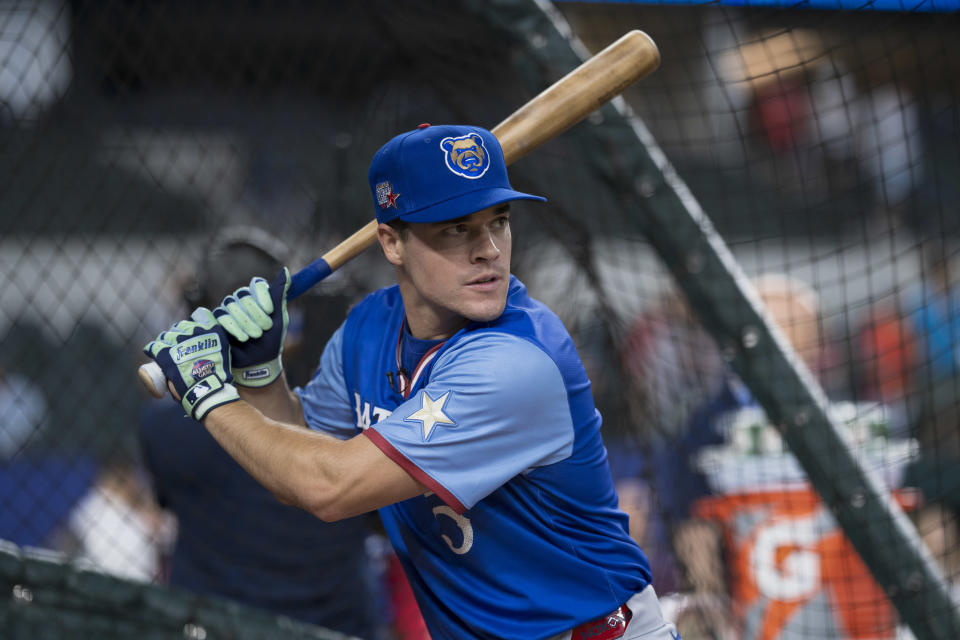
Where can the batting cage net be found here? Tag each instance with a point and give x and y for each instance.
(756, 250)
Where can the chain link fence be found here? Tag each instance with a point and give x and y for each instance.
(138, 138)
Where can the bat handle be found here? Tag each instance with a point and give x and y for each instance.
(332, 260)
(307, 277)
(152, 378)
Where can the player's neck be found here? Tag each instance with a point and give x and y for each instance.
(425, 321)
(427, 326)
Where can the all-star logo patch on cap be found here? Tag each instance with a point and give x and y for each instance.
(437, 173)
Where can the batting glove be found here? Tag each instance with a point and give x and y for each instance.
(195, 357)
(256, 319)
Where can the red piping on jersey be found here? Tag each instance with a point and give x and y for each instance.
(407, 385)
(418, 474)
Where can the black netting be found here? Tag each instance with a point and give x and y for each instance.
(823, 144)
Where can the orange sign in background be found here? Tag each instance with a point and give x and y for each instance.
(793, 572)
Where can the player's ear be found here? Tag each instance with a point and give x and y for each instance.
(391, 241)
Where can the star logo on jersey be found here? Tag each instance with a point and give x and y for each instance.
(431, 413)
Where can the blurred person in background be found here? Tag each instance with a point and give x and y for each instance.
(235, 539)
(662, 364)
(890, 145)
(672, 367)
(23, 412)
(39, 485)
(793, 305)
(934, 404)
(756, 535)
(116, 527)
(934, 314)
(886, 354)
(69, 479)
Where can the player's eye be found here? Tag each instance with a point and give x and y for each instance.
(456, 229)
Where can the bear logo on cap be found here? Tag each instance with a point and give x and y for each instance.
(466, 155)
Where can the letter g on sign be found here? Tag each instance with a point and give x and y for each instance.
(784, 564)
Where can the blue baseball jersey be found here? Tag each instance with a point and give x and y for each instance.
(520, 535)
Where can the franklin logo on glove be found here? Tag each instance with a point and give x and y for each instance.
(191, 349)
(256, 374)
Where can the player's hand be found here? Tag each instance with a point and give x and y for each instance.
(256, 319)
(195, 358)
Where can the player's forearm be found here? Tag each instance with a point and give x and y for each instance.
(295, 464)
(275, 401)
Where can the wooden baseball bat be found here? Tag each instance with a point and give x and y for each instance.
(562, 105)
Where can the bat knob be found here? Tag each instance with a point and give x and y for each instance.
(152, 378)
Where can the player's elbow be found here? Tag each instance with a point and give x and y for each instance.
(329, 514)
(303, 496)
(312, 479)
(327, 504)
(327, 495)
(346, 478)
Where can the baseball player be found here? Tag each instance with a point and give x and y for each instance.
(452, 402)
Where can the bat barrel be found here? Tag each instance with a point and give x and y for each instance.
(579, 93)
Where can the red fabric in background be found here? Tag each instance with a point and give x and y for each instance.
(408, 624)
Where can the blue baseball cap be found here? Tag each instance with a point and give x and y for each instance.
(437, 173)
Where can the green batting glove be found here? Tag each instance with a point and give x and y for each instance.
(195, 357)
(256, 319)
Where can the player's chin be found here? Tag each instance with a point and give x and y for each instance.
(486, 310)
(485, 301)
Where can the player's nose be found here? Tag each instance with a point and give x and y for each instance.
(485, 247)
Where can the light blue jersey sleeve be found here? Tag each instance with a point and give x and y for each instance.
(326, 404)
(495, 406)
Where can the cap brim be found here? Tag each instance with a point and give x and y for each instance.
(465, 204)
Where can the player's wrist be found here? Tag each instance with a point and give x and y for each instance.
(259, 375)
(206, 394)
